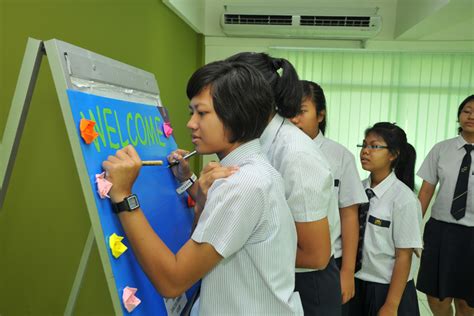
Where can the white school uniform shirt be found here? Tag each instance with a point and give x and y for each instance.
(442, 165)
(306, 173)
(396, 206)
(347, 185)
(247, 221)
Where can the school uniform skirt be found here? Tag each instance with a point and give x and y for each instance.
(447, 261)
(370, 297)
(320, 291)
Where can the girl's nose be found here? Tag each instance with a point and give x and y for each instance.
(192, 123)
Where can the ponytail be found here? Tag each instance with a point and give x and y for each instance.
(396, 139)
(405, 168)
(288, 91)
(286, 87)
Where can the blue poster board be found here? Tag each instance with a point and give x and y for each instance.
(118, 124)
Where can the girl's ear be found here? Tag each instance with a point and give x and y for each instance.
(394, 156)
(321, 116)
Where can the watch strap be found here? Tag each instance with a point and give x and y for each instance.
(125, 205)
(186, 184)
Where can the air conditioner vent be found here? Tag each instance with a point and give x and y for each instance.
(337, 21)
(252, 19)
(313, 24)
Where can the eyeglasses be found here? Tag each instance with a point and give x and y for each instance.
(467, 112)
(372, 146)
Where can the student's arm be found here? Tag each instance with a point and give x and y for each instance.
(398, 282)
(192, 190)
(211, 172)
(429, 173)
(350, 239)
(425, 195)
(309, 188)
(314, 244)
(406, 234)
(170, 274)
(182, 171)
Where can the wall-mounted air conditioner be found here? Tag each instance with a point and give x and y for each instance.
(333, 26)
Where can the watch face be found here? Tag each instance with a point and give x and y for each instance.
(133, 202)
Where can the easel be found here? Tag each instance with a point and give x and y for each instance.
(68, 63)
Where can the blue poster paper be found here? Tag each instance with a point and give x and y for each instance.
(120, 123)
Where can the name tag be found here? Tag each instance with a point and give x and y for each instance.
(379, 222)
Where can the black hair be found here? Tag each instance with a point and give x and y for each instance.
(286, 88)
(242, 98)
(397, 143)
(461, 106)
(313, 91)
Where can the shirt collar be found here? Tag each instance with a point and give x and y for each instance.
(319, 139)
(460, 142)
(271, 132)
(383, 186)
(241, 153)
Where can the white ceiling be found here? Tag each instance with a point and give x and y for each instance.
(402, 20)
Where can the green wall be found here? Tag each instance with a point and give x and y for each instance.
(44, 222)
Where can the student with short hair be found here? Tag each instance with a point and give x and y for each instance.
(244, 244)
(311, 119)
(308, 186)
(390, 226)
(447, 263)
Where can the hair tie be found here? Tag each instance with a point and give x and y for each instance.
(276, 62)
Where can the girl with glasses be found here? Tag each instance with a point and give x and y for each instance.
(389, 226)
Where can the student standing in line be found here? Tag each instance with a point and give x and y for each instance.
(244, 244)
(390, 226)
(311, 119)
(308, 186)
(447, 263)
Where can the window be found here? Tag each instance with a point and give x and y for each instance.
(419, 91)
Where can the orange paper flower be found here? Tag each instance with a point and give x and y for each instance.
(88, 133)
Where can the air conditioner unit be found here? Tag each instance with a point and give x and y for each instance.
(354, 27)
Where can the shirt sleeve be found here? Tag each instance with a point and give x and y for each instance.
(429, 169)
(406, 221)
(231, 214)
(351, 190)
(308, 186)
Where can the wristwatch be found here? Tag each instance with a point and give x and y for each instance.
(129, 204)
